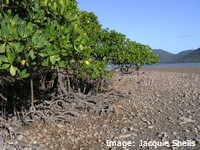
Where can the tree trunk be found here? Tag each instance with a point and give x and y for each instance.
(32, 93)
(137, 69)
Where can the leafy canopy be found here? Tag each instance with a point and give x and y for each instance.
(36, 36)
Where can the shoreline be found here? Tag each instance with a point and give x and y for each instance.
(177, 69)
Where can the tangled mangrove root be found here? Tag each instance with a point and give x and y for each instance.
(60, 110)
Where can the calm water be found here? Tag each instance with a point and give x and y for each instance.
(176, 64)
(167, 65)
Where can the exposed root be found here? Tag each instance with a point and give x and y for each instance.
(62, 108)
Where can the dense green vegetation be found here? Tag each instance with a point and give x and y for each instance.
(54, 41)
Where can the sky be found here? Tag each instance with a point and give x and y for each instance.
(171, 25)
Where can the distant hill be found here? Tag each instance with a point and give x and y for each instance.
(182, 57)
(164, 56)
(191, 56)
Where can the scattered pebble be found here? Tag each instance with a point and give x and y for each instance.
(163, 106)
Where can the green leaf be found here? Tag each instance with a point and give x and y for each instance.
(3, 58)
(21, 31)
(19, 47)
(5, 66)
(72, 61)
(23, 71)
(11, 57)
(62, 2)
(81, 47)
(41, 54)
(2, 48)
(35, 38)
(19, 72)
(62, 64)
(31, 54)
(54, 6)
(29, 26)
(12, 21)
(67, 2)
(52, 60)
(5, 32)
(45, 3)
(24, 74)
(39, 45)
(12, 70)
(46, 62)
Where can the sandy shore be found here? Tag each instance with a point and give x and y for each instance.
(180, 69)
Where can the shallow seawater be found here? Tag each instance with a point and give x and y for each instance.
(176, 65)
(165, 65)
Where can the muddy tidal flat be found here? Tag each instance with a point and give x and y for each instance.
(160, 110)
(180, 69)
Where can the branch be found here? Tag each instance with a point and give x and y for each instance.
(3, 97)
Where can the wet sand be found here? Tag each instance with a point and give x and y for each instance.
(178, 69)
